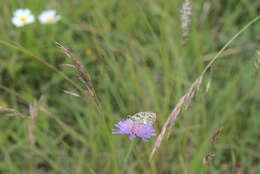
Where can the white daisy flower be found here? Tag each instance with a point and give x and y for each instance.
(48, 17)
(22, 17)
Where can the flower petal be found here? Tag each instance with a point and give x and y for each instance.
(16, 21)
(134, 129)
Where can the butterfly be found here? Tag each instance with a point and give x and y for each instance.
(146, 118)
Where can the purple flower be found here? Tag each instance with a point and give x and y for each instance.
(134, 129)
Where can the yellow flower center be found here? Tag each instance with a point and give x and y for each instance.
(88, 51)
(49, 19)
(23, 19)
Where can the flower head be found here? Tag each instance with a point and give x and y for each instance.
(48, 17)
(134, 129)
(22, 17)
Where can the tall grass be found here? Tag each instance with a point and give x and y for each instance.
(133, 51)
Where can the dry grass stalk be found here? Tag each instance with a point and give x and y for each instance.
(174, 114)
(89, 92)
(205, 11)
(12, 112)
(160, 138)
(257, 63)
(66, 65)
(33, 110)
(194, 87)
(186, 12)
(188, 96)
(183, 102)
(81, 79)
(208, 86)
(214, 137)
(78, 63)
(208, 159)
(83, 75)
(71, 93)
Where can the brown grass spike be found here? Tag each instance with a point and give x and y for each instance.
(184, 101)
(214, 137)
(12, 112)
(34, 110)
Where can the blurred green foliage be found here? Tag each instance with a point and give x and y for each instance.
(134, 53)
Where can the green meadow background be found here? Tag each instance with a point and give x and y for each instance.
(134, 53)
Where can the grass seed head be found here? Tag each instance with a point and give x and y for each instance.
(208, 159)
(186, 12)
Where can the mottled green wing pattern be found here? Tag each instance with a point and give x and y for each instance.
(146, 118)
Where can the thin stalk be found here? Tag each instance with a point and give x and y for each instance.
(180, 103)
(228, 43)
(94, 98)
(127, 155)
(20, 48)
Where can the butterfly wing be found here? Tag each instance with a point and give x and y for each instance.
(146, 118)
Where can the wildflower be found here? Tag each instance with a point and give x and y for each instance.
(22, 17)
(134, 129)
(48, 17)
(89, 52)
(92, 54)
